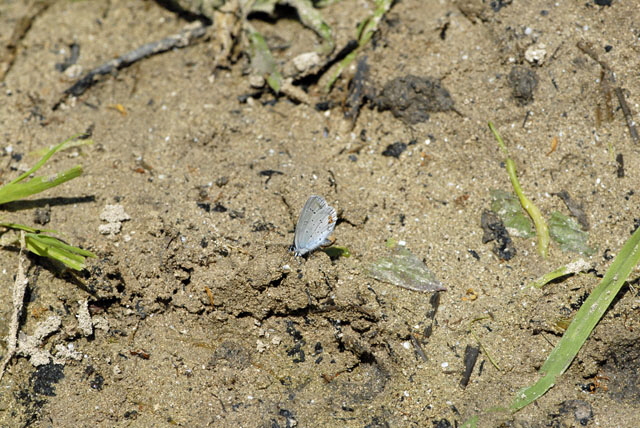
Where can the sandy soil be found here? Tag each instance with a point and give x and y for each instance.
(202, 317)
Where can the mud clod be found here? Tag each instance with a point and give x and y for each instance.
(412, 98)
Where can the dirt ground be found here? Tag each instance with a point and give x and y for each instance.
(199, 313)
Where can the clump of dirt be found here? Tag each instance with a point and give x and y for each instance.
(524, 82)
(411, 98)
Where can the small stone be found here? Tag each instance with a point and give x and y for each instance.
(536, 54)
(306, 61)
(42, 215)
(256, 81)
(114, 213)
(523, 82)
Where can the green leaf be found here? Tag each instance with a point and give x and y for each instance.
(508, 208)
(69, 142)
(336, 251)
(18, 189)
(568, 234)
(35, 241)
(583, 323)
(17, 226)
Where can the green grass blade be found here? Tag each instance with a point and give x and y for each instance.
(29, 229)
(583, 323)
(542, 230)
(346, 61)
(369, 26)
(18, 190)
(69, 142)
(51, 247)
(324, 3)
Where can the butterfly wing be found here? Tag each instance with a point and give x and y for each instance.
(316, 222)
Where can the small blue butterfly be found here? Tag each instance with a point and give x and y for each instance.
(316, 222)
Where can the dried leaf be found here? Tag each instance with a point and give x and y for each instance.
(404, 269)
(568, 234)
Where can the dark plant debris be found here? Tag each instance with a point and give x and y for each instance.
(44, 379)
(9, 50)
(572, 411)
(74, 54)
(607, 81)
(494, 230)
(360, 89)
(180, 40)
(575, 208)
(395, 149)
(470, 357)
(620, 162)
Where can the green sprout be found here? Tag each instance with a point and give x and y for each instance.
(477, 338)
(36, 241)
(472, 422)
(542, 230)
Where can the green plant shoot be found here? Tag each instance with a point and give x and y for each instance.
(579, 265)
(542, 230)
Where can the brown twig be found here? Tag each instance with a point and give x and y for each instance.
(180, 40)
(609, 79)
(627, 115)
